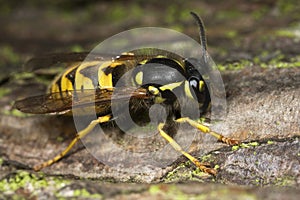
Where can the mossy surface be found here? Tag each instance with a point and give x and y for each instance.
(32, 184)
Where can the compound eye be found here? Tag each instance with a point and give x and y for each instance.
(194, 83)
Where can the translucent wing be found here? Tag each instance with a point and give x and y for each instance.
(62, 102)
(47, 60)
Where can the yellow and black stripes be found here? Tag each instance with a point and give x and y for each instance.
(157, 76)
(166, 71)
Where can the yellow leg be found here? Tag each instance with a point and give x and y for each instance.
(79, 135)
(205, 129)
(178, 148)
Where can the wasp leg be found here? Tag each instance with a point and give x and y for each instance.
(79, 135)
(177, 147)
(205, 129)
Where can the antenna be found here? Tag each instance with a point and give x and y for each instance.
(201, 34)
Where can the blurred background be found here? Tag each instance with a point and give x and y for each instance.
(244, 29)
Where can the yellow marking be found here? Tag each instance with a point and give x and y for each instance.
(115, 64)
(54, 88)
(170, 86)
(83, 81)
(201, 86)
(104, 80)
(160, 56)
(65, 83)
(159, 100)
(143, 62)
(79, 135)
(178, 148)
(187, 89)
(153, 90)
(128, 54)
(139, 78)
(179, 63)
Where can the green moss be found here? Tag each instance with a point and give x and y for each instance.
(184, 172)
(177, 27)
(154, 189)
(41, 76)
(206, 158)
(4, 91)
(248, 145)
(24, 75)
(287, 6)
(83, 193)
(217, 167)
(290, 33)
(224, 194)
(228, 14)
(198, 173)
(285, 181)
(179, 173)
(167, 192)
(136, 11)
(235, 66)
(15, 112)
(231, 34)
(76, 48)
(21, 180)
(270, 142)
(185, 14)
(254, 144)
(277, 61)
(235, 148)
(59, 139)
(8, 55)
(259, 13)
(32, 183)
(171, 13)
(285, 64)
(244, 145)
(117, 13)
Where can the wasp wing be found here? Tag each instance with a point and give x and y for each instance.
(62, 102)
(47, 60)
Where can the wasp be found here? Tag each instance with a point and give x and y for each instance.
(94, 81)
